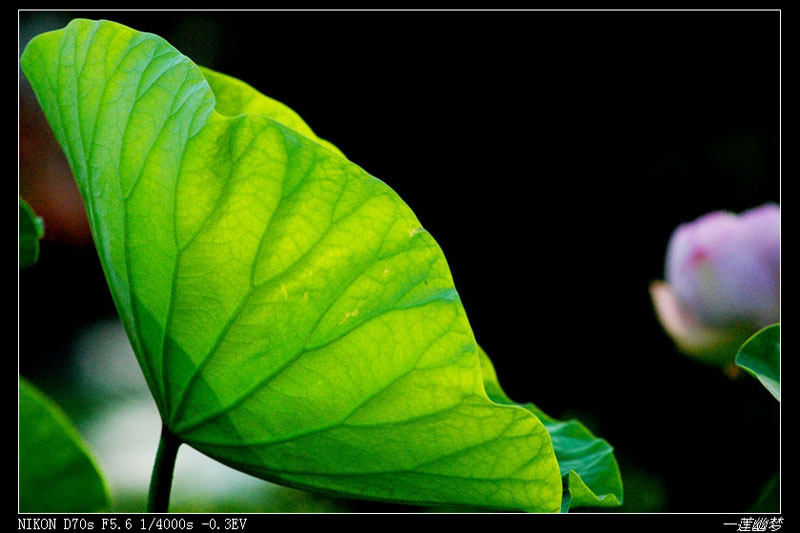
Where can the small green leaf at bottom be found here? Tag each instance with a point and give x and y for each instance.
(56, 472)
(589, 471)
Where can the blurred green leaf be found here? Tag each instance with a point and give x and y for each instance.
(292, 318)
(769, 501)
(31, 229)
(760, 356)
(56, 472)
(590, 472)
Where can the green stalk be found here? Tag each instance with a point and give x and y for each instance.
(161, 481)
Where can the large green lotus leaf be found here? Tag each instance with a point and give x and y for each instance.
(31, 229)
(292, 318)
(56, 472)
(590, 472)
(760, 356)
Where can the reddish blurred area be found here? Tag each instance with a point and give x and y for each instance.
(65, 290)
(45, 179)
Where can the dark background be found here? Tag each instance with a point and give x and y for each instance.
(551, 154)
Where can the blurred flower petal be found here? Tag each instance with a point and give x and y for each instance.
(722, 281)
(689, 334)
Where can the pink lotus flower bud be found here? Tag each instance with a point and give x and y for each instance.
(722, 281)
